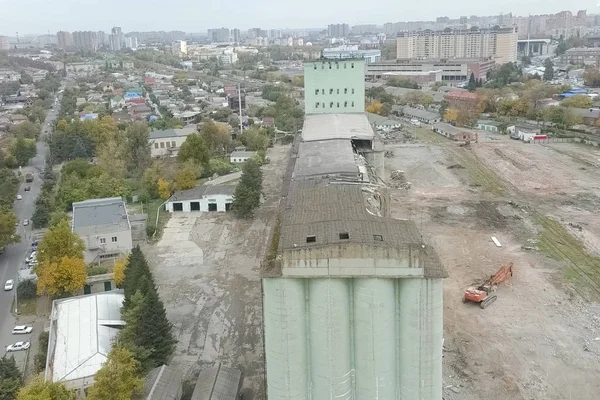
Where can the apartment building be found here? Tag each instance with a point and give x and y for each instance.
(85, 40)
(4, 43)
(334, 86)
(498, 43)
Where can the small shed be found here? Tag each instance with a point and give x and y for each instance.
(488, 126)
(241, 156)
(204, 198)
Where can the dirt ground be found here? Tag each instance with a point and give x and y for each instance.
(207, 269)
(541, 338)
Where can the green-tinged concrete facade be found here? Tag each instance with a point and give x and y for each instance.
(334, 86)
(353, 338)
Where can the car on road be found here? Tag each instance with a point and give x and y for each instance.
(27, 188)
(32, 257)
(18, 346)
(19, 197)
(9, 285)
(25, 222)
(22, 330)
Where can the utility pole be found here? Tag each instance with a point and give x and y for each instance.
(240, 105)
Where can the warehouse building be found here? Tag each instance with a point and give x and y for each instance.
(450, 70)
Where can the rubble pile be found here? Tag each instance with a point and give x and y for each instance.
(398, 180)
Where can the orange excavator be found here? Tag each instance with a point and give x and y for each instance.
(482, 294)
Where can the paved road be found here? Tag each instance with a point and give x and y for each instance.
(14, 255)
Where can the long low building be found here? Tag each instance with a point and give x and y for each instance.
(452, 132)
(424, 116)
(202, 198)
(452, 70)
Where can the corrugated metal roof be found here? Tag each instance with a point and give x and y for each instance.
(415, 112)
(218, 383)
(326, 157)
(81, 334)
(336, 126)
(199, 192)
(243, 154)
(172, 133)
(163, 383)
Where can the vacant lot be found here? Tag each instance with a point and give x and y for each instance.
(207, 268)
(541, 338)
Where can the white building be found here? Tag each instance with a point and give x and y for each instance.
(241, 156)
(228, 57)
(202, 198)
(82, 330)
(341, 52)
(167, 143)
(179, 47)
(103, 225)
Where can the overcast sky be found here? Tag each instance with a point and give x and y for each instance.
(41, 16)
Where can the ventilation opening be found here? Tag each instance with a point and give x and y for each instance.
(378, 238)
(344, 235)
(311, 239)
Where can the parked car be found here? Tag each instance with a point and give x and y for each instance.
(18, 346)
(27, 188)
(9, 285)
(25, 222)
(34, 244)
(19, 197)
(22, 330)
(32, 257)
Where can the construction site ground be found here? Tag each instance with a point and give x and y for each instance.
(541, 338)
(207, 266)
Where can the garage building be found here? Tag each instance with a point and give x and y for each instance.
(202, 198)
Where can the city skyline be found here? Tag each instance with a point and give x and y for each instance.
(44, 18)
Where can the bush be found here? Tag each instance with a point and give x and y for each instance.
(92, 271)
(219, 167)
(27, 289)
(40, 357)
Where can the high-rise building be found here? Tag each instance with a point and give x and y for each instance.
(116, 39)
(338, 30)
(65, 39)
(498, 43)
(131, 42)
(275, 33)
(86, 40)
(4, 43)
(334, 87)
(219, 35)
(179, 47)
(102, 38)
(236, 35)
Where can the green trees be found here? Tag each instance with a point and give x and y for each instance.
(23, 150)
(8, 222)
(255, 138)
(591, 77)
(59, 242)
(548, 69)
(10, 378)
(38, 389)
(27, 130)
(194, 148)
(247, 193)
(579, 101)
(118, 379)
(215, 136)
(138, 148)
(147, 333)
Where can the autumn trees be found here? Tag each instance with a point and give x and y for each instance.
(118, 379)
(61, 269)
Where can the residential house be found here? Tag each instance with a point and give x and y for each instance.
(167, 143)
(268, 122)
(98, 284)
(426, 117)
(117, 102)
(163, 383)
(237, 157)
(383, 123)
(88, 116)
(518, 130)
(204, 198)
(140, 111)
(187, 117)
(103, 225)
(148, 81)
(17, 119)
(489, 126)
(82, 332)
(80, 101)
(452, 132)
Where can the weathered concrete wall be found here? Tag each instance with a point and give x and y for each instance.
(353, 339)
